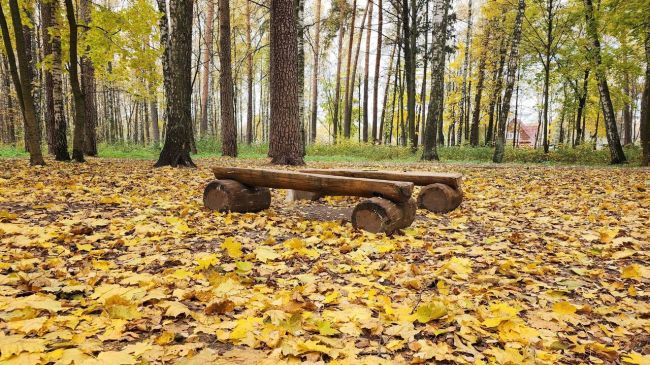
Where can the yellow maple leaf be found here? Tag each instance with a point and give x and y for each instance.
(175, 309)
(564, 307)
(635, 271)
(206, 261)
(265, 253)
(232, 247)
(636, 358)
(14, 345)
(428, 312)
(116, 358)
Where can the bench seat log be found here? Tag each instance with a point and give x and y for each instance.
(397, 191)
(230, 195)
(418, 178)
(381, 215)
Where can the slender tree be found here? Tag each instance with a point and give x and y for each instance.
(466, 73)
(228, 127)
(249, 71)
(177, 62)
(54, 107)
(645, 102)
(78, 140)
(410, 35)
(337, 88)
(613, 140)
(349, 81)
(474, 133)
(314, 76)
(437, 97)
(375, 94)
(22, 80)
(285, 140)
(365, 77)
(207, 63)
(513, 60)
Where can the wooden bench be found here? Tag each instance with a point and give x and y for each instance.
(389, 207)
(440, 192)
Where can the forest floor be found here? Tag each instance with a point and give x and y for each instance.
(115, 262)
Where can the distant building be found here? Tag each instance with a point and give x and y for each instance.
(526, 133)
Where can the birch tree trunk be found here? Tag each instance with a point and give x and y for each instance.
(437, 97)
(314, 76)
(365, 78)
(207, 63)
(513, 60)
(177, 66)
(337, 90)
(375, 95)
(613, 140)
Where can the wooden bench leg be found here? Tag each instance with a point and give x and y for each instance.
(439, 198)
(295, 195)
(382, 215)
(230, 195)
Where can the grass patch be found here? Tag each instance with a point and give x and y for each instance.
(348, 151)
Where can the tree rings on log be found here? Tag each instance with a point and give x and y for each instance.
(295, 195)
(230, 195)
(439, 198)
(382, 215)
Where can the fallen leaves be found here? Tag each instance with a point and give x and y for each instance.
(114, 262)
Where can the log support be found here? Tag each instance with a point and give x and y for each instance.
(439, 198)
(230, 195)
(382, 215)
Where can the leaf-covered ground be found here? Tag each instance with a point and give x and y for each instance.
(115, 262)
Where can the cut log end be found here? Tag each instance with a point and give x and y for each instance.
(295, 195)
(439, 198)
(382, 215)
(230, 195)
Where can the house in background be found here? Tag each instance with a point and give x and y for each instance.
(526, 133)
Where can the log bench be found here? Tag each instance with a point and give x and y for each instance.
(389, 208)
(440, 192)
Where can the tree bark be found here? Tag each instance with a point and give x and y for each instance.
(437, 98)
(337, 90)
(178, 53)
(513, 60)
(410, 34)
(78, 139)
(285, 140)
(375, 95)
(474, 133)
(613, 140)
(645, 103)
(22, 81)
(228, 127)
(55, 113)
(314, 76)
(207, 63)
(349, 83)
(466, 63)
(349, 103)
(365, 77)
(249, 71)
(89, 88)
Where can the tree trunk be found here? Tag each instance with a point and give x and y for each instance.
(466, 63)
(285, 140)
(423, 91)
(350, 101)
(365, 77)
(409, 70)
(375, 95)
(645, 103)
(314, 76)
(497, 81)
(207, 63)
(437, 98)
(249, 71)
(613, 140)
(55, 113)
(513, 60)
(89, 88)
(474, 134)
(178, 55)
(380, 137)
(78, 140)
(228, 127)
(349, 83)
(627, 112)
(337, 90)
(299, 14)
(9, 135)
(582, 100)
(22, 81)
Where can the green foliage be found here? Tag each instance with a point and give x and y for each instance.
(350, 151)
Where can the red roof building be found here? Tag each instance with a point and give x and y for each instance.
(526, 133)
